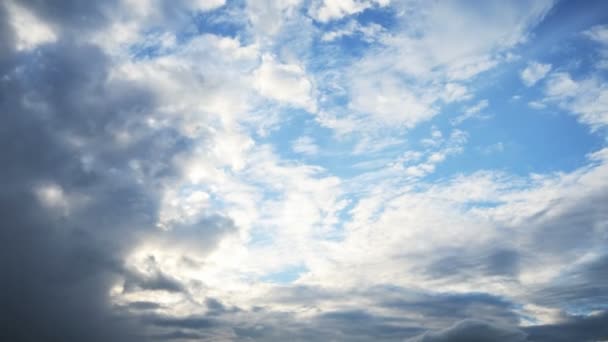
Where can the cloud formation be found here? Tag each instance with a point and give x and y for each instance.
(302, 170)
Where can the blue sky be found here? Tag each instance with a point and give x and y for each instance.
(304, 170)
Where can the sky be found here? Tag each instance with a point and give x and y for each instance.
(303, 170)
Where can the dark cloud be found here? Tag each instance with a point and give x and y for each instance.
(143, 305)
(441, 309)
(60, 116)
(72, 16)
(155, 280)
(568, 227)
(470, 264)
(576, 328)
(473, 331)
(187, 322)
(584, 286)
(382, 314)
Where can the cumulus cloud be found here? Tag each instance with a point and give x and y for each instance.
(285, 83)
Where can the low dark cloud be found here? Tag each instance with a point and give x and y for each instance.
(575, 328)
(59, 256)
(584, 286)
(473, 331)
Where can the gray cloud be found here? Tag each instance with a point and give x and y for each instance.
(575, 328)
(60, 116)
(473, 331)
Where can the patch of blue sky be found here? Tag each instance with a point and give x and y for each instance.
(351, 45)
(151, 46)
(294, 123)
(481, 204)
(527, 140)
(260, 237)
(220, 22)
(224, 21)
(385, 16)
(285, 276)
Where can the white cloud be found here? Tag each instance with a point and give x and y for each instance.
(390, 101)
(586, 98)
(369, 33)
(481, 105)
(454, 92)
(537, 105)
(286, 83)
(599, 34)
(423, 63)
(389, 229)
(267, 16)
(326, 10)
(30, 30)
(494, 148)
(432, 40)
(305, 145)
(205, 5)
(534, 72)
(471, 112)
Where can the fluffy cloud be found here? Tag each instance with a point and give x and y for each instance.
(326, 10)
(285, 83)
(586, 98)
(424, 65)
(534, 72)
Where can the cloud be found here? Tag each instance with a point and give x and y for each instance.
(471, 112)
(369, 33)
(599, 34)
(472, 330)
(326, 10)
(586, 98)
(286, 83)
(30, 32)
(583, 328)
(391, 101)
(268, 16)
(534, 72)
(147, 192)
(59, 264)
(422, 65)
(83, 185)
(305, 145)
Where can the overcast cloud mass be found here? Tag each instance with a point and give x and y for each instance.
(303, 170)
